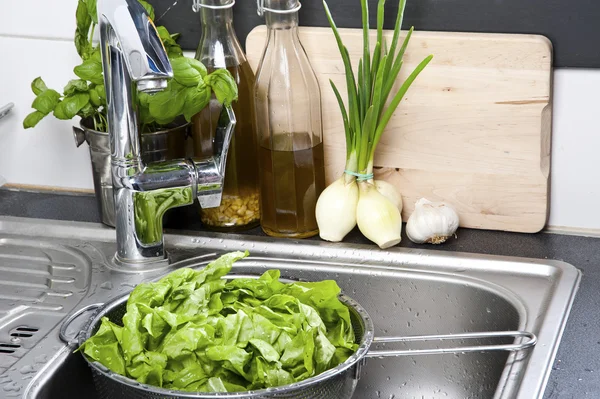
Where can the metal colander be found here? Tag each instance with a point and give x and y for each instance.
(337, 383)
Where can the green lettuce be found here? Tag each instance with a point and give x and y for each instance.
(194, 330)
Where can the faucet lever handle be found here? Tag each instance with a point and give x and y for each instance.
(223, 136)
(211, 172)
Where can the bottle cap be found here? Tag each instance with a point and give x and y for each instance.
(223, 4)
(291, 8)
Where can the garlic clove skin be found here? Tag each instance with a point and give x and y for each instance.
(377, 217)
(389, 191)
(336, 210)
(431, 222)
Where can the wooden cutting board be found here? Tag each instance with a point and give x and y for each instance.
(474, 129)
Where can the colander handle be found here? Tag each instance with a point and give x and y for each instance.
(531, 341)
(62, 333)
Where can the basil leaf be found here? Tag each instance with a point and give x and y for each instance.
(101, 92)
(168, 104)
(149, 9)
(87, 111)
(144, 110)
(38, 86)
(197, 65)
(82, 44)
(95, 97)
(71, 105)
(166, 37)
(46, 101)
(96, 55)
(174, 52)
(196, 99)
(75, 85)
(84, 22)
(90, 70)
(183, 72)
(92, 11)
(82, 16)
(223, 85)
(170, 42)
(33, 119)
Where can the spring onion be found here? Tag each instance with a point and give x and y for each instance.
(371, 105)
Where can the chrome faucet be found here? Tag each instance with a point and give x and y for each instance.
(133, 57)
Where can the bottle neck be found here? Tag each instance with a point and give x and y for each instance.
(276, 21)
(219, 46)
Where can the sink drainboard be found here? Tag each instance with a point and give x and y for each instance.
(39, 284)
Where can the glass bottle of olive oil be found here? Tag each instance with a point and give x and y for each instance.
(288, 119)
(219, 48)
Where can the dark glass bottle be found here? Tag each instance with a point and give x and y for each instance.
(220, 48)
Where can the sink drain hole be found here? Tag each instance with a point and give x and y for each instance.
(21, 335)
(8, 348)
(27, 329)
(23, 332)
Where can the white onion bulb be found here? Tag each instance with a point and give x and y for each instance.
(378, 218)
(389, 191)
(336, 210)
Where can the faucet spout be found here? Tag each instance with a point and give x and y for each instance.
(134, 57)
(125, 22)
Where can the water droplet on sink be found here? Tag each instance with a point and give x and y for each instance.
(12, 386)
(27, 369)
(107, 285)
(41, 359)
(488, 310)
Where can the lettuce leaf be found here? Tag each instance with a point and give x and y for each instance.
(195, 331)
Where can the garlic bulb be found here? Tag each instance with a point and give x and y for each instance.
(431, 222)
(378, 218)
(389, 192)
(336, 210)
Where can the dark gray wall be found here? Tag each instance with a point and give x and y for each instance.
(572, 25)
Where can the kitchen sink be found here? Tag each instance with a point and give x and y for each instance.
(49, 269)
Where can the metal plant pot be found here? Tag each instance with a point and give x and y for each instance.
(158, 146)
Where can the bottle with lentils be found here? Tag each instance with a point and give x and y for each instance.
(220, 48)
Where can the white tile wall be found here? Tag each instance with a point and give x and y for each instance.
(47, 155)
(575, 192)
(38, 18)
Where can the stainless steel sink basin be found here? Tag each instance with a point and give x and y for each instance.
(49, 269)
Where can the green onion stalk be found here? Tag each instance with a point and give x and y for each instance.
(356, 198)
